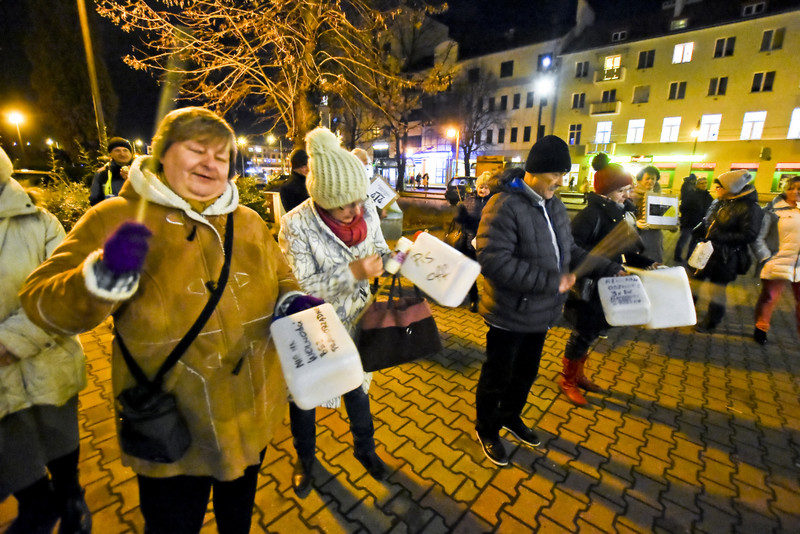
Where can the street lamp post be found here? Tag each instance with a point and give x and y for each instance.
(242, 142)
(454, 133)
(16, 118)
(544, 86)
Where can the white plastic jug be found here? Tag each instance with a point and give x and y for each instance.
(671, 303)
(440, 270)
(624, 300)
(317, 354)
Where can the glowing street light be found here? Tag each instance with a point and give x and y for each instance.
(242, 142)
(139, 144)
(16, 118)
(454, 133)
(544, 87)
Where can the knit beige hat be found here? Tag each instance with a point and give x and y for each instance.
(735, 181)
(336, 177)
(6, 168)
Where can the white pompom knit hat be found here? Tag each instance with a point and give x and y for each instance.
(336, 177)
(6, 168)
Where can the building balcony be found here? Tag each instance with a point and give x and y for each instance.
(609, 75)
(605, 108)
(594, 148)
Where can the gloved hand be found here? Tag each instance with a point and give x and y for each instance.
(303, 302)
(126, 249)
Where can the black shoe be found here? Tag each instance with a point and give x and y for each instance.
(301, 477)
(75, 516)
(493, 449)
(374, 465)
(760, 336)
(523, 433)
(704, 327)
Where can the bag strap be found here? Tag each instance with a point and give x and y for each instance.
(216, 293)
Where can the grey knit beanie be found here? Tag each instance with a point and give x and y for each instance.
(336, 177)
(735, 181)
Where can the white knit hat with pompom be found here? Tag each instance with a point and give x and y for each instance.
(336, 177)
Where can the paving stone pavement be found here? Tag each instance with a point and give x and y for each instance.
(699, 433)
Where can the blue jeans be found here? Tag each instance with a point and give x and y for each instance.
(511, 366)
(304, 429)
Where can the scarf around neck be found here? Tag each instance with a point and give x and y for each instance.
(351, 233)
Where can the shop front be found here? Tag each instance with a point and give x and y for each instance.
(783, 171)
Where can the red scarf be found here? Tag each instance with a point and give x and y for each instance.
(351, 233)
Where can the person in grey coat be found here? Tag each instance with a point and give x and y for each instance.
(525, 249)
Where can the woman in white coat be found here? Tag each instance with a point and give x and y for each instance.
(334, 244)
(778, 248)
(40, 377)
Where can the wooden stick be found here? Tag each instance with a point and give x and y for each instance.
(620, 238)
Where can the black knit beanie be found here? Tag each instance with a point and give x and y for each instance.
(116, 142)
(548, 154)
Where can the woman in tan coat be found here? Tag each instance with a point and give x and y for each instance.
(154, 278)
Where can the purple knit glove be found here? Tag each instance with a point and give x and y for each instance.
(125, 249)
(303, 302)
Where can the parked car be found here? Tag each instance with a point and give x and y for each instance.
(30, 178)
(458, 187)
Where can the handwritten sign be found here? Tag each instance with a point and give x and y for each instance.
(624, 300)
(661, 210)
(317, 355)
(381, 193)
(440, 270)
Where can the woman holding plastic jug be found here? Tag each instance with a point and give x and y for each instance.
(731, 225)
(334, 244)
(154, 276)
(778, 250)
(605, 209)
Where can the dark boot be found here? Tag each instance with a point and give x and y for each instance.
(37, 510)
(569, 382)
(75, 515)
(301, 477)
(583, 381)
(712, 319)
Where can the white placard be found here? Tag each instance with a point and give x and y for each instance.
(440, 270)
(319, 359)
(381, 193)
(671, 303)
(661, 210)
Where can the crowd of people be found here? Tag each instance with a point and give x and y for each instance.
(166, 232)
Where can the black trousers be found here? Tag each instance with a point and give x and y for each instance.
(511, 366)
(177, 505)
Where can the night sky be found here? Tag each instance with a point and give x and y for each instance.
(469, 20)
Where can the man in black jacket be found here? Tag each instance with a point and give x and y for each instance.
(108, 180)
(293, 191)
(525, 249)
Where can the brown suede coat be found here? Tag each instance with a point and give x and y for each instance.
(230, 416)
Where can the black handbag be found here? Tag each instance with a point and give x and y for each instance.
(151, 426)
(398, 330)
(455, 237)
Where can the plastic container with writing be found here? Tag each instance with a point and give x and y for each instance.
(671, 303)
(624, 300)
(440, 270)
(317, 355)
(399, 255)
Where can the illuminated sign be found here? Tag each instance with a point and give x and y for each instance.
(789, 166)
(704, 165)
(735, 166)
(642, 159)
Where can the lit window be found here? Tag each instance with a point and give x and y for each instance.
(794, 125)
(682, 53)
(669, 129)
(762, 81)
(603, 133)
(753, 125)
(635, 131)
(611, 67)
(709, 127)
(678, 24)
(574, 134)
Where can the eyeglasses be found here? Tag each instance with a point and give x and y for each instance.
(717, 186)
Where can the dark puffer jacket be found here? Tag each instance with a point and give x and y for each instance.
(731, 225)
(694, 205)
(519, 264)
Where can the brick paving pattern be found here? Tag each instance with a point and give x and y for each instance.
(699, 433)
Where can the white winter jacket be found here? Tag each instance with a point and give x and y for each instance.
(782, 220)
(321, 262)
(52, 368)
